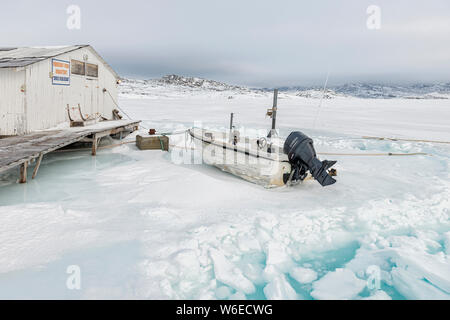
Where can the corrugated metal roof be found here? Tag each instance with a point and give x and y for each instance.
(24, 56)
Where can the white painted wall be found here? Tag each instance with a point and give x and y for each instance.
(43, 105)
(12, 102)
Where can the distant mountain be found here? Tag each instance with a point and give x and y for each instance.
(173, 85)
(192, 82)
(179, 85)
(413, 91)
(376, 91)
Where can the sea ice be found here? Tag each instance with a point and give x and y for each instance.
(303, 275)
(227, 273)
(341, 284)
(378, 295)
(142, 227)
(280, 289)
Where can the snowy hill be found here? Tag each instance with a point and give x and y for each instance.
(192, 82)
(414, 91)
(375, 91)
(172, 85)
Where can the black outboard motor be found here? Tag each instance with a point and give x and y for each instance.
(303, 157)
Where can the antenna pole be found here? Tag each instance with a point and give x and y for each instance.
(273, 113)
(275, 107)
(321, 99)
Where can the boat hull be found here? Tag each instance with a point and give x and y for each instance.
(244, 160)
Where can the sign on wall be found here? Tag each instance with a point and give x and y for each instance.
(60, 72)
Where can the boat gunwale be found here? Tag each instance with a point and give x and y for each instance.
(235, 149)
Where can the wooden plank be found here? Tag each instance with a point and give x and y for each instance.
(94, 145)
(28, 151)
(18, 150)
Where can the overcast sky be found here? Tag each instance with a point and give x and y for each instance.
(257, 43)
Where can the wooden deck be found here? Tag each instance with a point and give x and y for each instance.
(22, 150)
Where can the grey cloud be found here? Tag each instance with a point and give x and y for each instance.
(260, 43)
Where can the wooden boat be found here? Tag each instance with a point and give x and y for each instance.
(269, 161)
(249, 159)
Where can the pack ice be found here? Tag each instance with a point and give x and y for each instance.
(140, 226)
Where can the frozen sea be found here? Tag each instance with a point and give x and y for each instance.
(140, 226)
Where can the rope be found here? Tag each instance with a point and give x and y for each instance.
(319, 153)
(162, 143)
(373, 154)
(321, 100)
(409, 140)
(121, 110)
(117, 105)
(173, 133)
(342, 154)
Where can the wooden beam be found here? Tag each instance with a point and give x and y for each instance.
(38, 164)
(23, 172)
(94, 145)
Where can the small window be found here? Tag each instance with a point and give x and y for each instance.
(78, 67)
(92, 70)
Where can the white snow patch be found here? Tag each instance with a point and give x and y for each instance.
(238, 296)
(415, 288)
(303, 275)
(223, 293)
(277, 256)
(341, 284)
(378, 295)
(229, 274)
(280, 289)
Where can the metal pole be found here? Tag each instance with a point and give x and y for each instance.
(231, 121)
(275, 106)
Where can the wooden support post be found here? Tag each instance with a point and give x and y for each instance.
(94, 145)
(231, 121)
(38, 164)
(23, 172)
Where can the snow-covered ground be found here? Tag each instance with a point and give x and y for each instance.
(140, 226)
